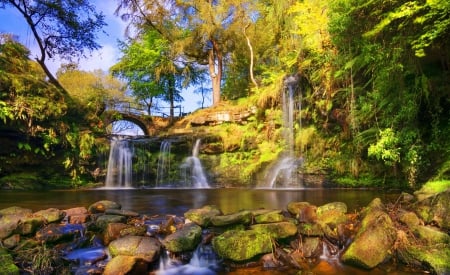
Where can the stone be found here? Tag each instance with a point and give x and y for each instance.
(145, 248)
(279, 230)
(50, 215)
(269, 217)
(332, 217)
(332, 206)
(121, 212)
(30, 224)
(311, 247)
(112, 231)
(125, 265)
(7, 265)
(15, 210)
(11, 241)
(8, 225)
(303, 211)
(431, 235)
(310, 229)
(436, 257)
(202, 216)
(102, 206)
(373, 241)
(77, 215)
(409, 218)
(241, 217)
(103, 221)
(242, 245)
(56, 232)
(184, 239)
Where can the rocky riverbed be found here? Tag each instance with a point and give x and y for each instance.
(410, 235)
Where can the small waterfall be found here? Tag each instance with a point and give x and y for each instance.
(284, 172)
(193, 165)
(120, 162)
(163, 169)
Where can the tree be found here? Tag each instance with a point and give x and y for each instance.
(62, 28)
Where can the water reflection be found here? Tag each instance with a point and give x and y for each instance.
(178, 201)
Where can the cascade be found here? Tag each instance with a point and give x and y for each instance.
(163, 169)
(193, 167)
(284, 172)
(119, 173)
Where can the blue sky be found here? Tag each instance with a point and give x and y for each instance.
(12, 22)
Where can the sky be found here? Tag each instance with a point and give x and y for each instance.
(12, 22)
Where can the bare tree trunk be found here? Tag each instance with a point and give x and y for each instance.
(251, 56)
(215, 72)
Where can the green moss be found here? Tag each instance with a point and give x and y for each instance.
(7, 266)
(435, 186)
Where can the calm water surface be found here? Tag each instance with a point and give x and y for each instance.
(178, 201)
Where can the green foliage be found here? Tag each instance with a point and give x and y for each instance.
(387, 147)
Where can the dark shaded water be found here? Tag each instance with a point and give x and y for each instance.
(178, 201)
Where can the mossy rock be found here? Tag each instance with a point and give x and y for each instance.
(103, 221)
(279, 230)
(50, 215)
(185, 239)
(145, 248)
(7, 266)
(202, 216)
(436, 209)
(437, 257)
(269, 217)
(332, 206)
(242, 245)
(15, 210)
(241, 217)
(373, 241)
(102, 206)
(431, 236)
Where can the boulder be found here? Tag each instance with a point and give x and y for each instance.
(145, 248)
(303, 211)
(112, 231)
(242, 245)
(184, 239)
(311, 247)
(15, 210)
(29, 224)
(241, 217)
(436, 209)
(50, 215)
(103, 221)
(279, 230)
(310, 229)
(437, 257)
(77, 215)
(123, 264)
(269, 217)
(409, 218)
(431, 235)
(202, 216)
(56, 232)
(102, 206)
(374, 239)
(332, 206)
(11, 241)
(8, 223)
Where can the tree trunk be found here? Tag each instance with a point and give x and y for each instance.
(252, 77)
(215, 71)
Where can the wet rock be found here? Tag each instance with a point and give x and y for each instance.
(7, 265)
(77, 215)
(112, 231)
(311, 247)
(242, 245)
(56, 232)
(374, 239)
(15, 210)
(310, 229)
(8, 223)
(241, 217)
(303, 211)
(279, 230)
(121, 212)
(184, 239)
(145, 248)
(102, 206)
(87, 256)
(269, 217)
(332, 206)
(103, 221)
(50, 215)
(123, 264)
(202, 216)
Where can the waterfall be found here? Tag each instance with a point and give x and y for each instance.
(119, 173)
(194, 166)
(284, 172)
(163, 169)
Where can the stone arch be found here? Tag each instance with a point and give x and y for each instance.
(144, 123)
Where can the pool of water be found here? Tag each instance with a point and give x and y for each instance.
(178, 201)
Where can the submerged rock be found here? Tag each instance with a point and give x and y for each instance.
(373, 241)
(102, 206)
(185, 239)
(242, 245)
